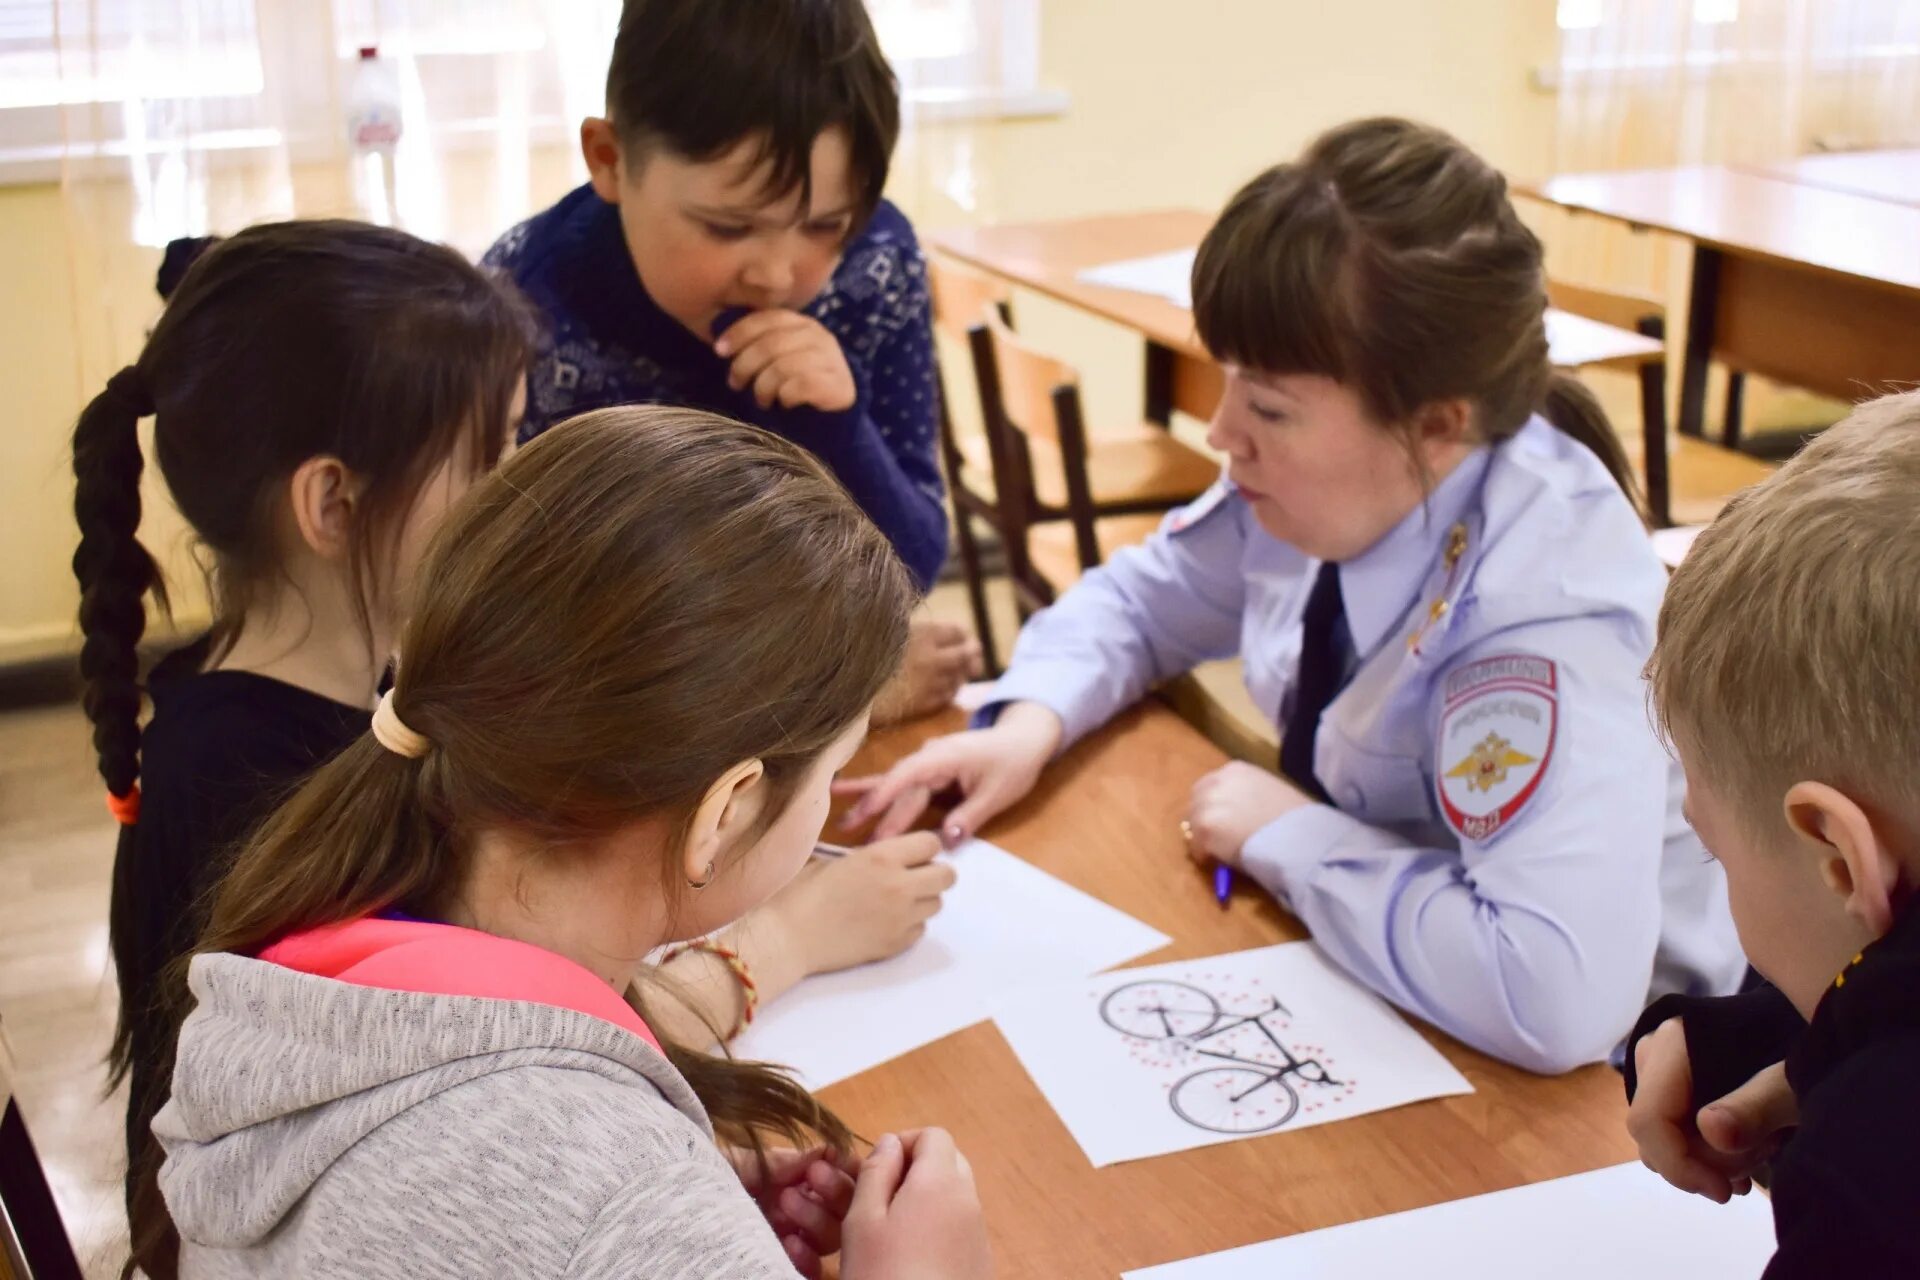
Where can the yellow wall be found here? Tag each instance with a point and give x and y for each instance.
(1172, 104)
(1176, 102)
(36, 368)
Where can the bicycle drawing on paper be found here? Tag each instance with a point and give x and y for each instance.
(1248, 1092)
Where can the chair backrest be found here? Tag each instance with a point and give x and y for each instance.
(1027, 394)
(962, 296)
(1028, 380)
(1634, 312)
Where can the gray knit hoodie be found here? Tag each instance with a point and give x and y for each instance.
(319, 1128)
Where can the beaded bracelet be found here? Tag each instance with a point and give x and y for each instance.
(750, 993)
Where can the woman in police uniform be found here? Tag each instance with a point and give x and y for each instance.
(1426, 551)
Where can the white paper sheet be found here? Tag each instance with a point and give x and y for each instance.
(1672, 545)
(1194, 1053)
(1165, 275)
(1573, 341)
(1612, 1223)
(1003, 925)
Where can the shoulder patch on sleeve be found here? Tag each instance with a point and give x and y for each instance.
(1497, 729)
(1184, 518)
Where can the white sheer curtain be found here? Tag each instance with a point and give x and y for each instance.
(188, 116)
(165, 118)
(1662, 82)
(1647, 83)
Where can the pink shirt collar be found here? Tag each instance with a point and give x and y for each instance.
(448, 960)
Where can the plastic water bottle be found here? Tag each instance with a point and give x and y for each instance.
(373, 132)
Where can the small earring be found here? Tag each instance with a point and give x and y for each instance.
(698, 885)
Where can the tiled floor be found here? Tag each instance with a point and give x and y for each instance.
(56, 984)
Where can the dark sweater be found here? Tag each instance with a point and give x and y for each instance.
(608, 343)
(221, 750)
(1846, 1189)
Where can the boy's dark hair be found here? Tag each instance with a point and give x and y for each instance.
(699, 76)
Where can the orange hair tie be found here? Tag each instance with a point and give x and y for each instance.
(127, 807)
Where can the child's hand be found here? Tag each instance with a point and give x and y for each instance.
(916, 1214)
(788, 359)
(804, 1195)
(871, 904)
(940, 658)
(1716, 1155)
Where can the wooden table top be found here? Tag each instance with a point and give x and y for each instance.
(1104, 818)
(1048, 257)
(1879, 175)
(1755, 215)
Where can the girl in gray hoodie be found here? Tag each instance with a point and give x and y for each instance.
(635, 658)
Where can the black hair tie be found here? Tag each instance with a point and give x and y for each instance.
(179, 255)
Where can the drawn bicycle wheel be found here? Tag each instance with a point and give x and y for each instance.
(1158, 1010)
(1234, 1100)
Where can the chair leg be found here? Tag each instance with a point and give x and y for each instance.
(1736, 408)
(1031, 594)
(1653, 428)
(976, 590)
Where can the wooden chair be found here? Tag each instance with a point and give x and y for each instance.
(1129, 476)
(1688, 479)
(33, 1244)
(960, 298)
(1055, 522)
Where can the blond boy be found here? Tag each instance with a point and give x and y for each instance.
(1787, 678)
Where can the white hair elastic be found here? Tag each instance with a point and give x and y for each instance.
(393, 734)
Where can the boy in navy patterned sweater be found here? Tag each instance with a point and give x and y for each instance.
(732, 252)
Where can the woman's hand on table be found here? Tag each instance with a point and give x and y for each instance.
(993, 768)
(1230, 804)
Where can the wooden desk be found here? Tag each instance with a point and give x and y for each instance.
(1878, 175)
(1048, 257)
(1815, 287)
(1104, 818)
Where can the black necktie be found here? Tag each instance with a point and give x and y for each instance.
(1322, 668)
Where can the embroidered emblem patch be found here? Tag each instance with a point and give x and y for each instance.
(1496, 738)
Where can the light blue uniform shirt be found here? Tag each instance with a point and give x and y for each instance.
(1507, 858)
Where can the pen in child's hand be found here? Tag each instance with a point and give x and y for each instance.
(1222, 883)
(821, 849)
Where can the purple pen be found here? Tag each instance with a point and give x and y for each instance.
(1222, 883)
